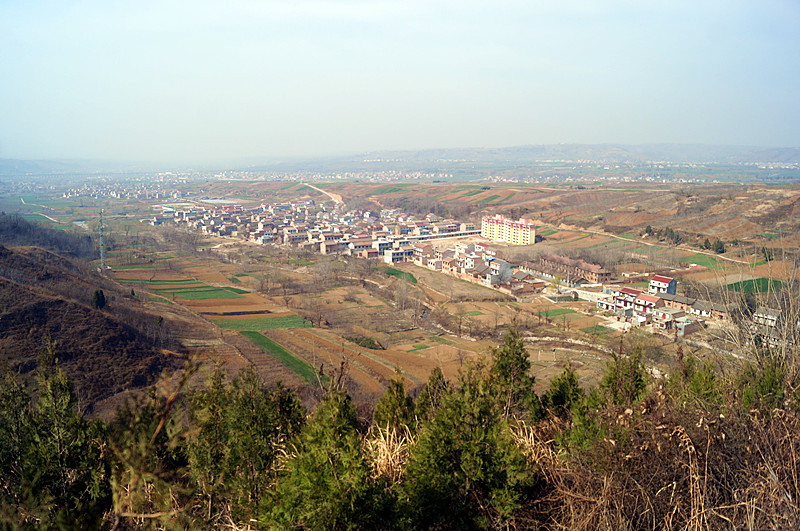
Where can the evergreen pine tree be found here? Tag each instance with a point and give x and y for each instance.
(625, 379)
(509, 373)
(432, 395)
(564, 392)
(465, 471)
(241, 427)
(395, 410)
(327, 483)
(98, 299)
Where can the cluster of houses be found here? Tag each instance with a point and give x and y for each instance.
(661, 307)
(570, 271)
(478, 263)
(772, 328)
(317, 228)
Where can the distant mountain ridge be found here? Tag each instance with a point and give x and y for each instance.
(433, 158)
(684, 153)
(22, 167)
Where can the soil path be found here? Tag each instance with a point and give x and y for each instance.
(336, 198)
(652, 244)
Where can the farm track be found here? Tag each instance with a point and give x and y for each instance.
(658, 245)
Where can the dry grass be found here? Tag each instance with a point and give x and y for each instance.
(662, 469)
(387, 451)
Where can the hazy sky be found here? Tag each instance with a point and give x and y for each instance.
(201, 81)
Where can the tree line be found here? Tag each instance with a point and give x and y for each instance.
(484, 452)
(16, 230)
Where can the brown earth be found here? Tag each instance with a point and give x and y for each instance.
(46, 296)
(706, 210)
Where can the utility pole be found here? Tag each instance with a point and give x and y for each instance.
(102, 244)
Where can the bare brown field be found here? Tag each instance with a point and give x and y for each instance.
(270, 369)
(776, 269)
(312, 353)
(375, 365)
(237, 315)
(210, 276)
(449, 286)
(151, 275)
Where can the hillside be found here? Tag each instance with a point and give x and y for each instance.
(44, 296)
(743, 212)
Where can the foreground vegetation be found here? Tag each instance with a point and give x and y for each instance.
(687, 451)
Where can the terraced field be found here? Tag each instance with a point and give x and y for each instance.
(284, 356)
(263, 323)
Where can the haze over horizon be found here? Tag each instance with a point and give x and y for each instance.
(205, 81)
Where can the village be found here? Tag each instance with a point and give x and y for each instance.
(453, 248)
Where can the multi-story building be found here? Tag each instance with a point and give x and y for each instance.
(501, 229)
(661, 284)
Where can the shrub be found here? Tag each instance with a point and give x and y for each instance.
(465, 471)
(564, 392)
(366, 342)
(761, 385)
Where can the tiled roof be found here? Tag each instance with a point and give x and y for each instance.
(659, 278)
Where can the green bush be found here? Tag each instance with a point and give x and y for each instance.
(395, 410)
(761, 385)
(564, 392)
(465, 471)
(326, 482)
(625, 379)
(366, 342)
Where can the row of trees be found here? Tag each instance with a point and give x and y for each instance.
(668, 234)
(718, 246)
(484, 452)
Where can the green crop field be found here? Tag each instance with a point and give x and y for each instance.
(596, 330)
(703, 260)
(487, 199)
(199, 294)
(556, 312)
(471, 193)
(402, 275)
(297, 365)
(238, 291)
(36, 218)
(180, 289)
(262, 323)
(388, 190)
(509, 196)
(474, 313)
(756, 285)
(419, 346)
